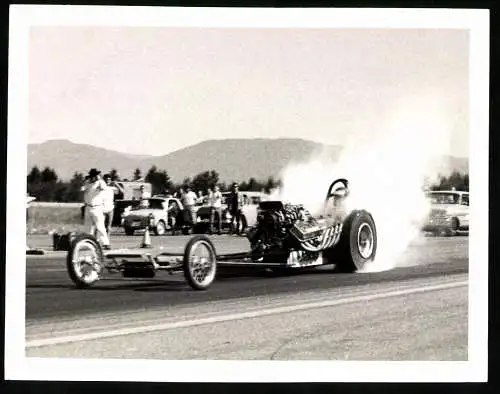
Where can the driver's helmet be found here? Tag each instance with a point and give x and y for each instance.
(341, 192)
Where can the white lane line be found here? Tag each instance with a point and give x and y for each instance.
(46, 269)
(233, 316)
(48, 254)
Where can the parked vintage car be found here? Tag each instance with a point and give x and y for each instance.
(161, 213)
(449, 214)
(121, 207)
(251, 202)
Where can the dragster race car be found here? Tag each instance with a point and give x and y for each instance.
(285, 237)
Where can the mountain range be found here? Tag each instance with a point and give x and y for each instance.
(233, 159)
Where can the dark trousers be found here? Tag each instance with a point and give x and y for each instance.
(216, 213)
(235, 217)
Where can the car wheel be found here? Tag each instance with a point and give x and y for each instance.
(160, 228)
(200, 262)
(357, 245)
(85, 261)
(129, 231)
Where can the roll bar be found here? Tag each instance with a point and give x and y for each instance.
(343, 181)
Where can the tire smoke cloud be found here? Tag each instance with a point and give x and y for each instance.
(387, 174)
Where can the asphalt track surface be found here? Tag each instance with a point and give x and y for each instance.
(416, 311)
(50, 293)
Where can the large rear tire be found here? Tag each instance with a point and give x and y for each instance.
(357, 245)
(200, 271)
(85, 261)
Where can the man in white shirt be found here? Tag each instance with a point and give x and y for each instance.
(188, 201)
(93, 198)
(108, 203)
(215, 201)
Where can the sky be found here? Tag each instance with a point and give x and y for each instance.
(153, 90)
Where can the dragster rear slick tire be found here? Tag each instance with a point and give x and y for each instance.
(199, 272)
(357, 245)
(76, 275)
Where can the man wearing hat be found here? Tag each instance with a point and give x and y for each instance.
(93, 192)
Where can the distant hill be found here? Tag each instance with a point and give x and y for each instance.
(66, 157)
(233, 159)
(240, 159)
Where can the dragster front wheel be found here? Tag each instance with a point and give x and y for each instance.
(200, 262)
(85, 261)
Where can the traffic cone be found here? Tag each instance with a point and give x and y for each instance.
(146, 239)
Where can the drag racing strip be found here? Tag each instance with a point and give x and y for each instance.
(44, 337)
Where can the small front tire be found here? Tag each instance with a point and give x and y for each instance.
(85, 261)
(200, 271)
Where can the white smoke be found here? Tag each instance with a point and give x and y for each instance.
(386, 174)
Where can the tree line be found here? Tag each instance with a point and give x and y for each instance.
(46, 185)
(455, 180)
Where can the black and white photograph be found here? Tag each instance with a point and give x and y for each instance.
(231, 194)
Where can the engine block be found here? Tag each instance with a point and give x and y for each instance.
(287, 229)
(307, 230)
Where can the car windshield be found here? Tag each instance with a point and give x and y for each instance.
(444, 198)
(152, 203)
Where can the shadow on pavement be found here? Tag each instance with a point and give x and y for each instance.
(224, 275)
(102, 286)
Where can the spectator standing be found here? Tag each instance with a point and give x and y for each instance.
(173, 213)
(235, 205)
(215, 201)
(144, 193)
(94, 215)
(188, 201)
(108, 203)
